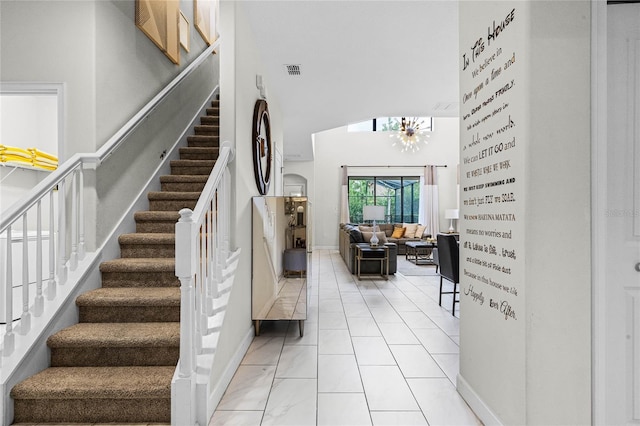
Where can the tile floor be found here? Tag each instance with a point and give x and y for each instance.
(374, 352)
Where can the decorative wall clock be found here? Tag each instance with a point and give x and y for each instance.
(262, 146)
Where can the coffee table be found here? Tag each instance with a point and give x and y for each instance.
(419, 252)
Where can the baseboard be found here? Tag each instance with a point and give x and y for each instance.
(216, 394)
(476, 403)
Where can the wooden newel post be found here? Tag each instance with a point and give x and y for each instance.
(185, 271)
(183, 406)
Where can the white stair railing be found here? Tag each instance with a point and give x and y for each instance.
(206, 268)
(52, 193)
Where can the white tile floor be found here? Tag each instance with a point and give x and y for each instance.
(374, 352)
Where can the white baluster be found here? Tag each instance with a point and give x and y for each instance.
(211, 261)
(73, 258)
(201, 318)
(25, 318)
(51, 288)
(62, 234)
(226, 211)
(38, 306)
(81, 247)
(220, 261)
(9, 337)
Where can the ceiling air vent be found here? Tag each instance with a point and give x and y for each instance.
(293, 69)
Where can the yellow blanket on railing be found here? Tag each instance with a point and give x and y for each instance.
(31, 156)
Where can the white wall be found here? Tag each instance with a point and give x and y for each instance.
(337, 147)
(239, 65)
(530, 364)
(19, 113)
(54, 41)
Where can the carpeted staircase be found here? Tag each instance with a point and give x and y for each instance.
(117, 363)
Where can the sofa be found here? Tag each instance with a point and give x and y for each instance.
(362, 233)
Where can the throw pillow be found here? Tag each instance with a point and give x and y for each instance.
(366, 236)
(410, 231)
(397, 232)
(420, 231)
(365, 228)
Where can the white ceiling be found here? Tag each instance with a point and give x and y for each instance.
(359, 59)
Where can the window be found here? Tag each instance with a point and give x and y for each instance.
(386, 124)
(400, 196)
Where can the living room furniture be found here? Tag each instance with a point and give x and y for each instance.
(349, 232)
(420, 252)
(366, 253)
(348, 253)
(295, 262)
(449, 261)
(373, 213)
(451, 214)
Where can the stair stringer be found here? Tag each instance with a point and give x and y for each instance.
(210, 342)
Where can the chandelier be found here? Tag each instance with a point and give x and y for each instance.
(411, 134)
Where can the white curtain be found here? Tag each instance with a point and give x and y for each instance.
(428, 213)
(344, 196)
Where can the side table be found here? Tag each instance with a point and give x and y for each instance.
(378, 254)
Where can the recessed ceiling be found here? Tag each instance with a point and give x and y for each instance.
(356, 60)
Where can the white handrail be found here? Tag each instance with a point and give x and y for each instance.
(202, 266)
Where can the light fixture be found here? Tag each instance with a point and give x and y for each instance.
(411, 134)
(373, 213)
(451, 214)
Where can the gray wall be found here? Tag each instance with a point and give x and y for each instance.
(110, 69)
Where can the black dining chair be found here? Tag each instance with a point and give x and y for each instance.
(449, 262)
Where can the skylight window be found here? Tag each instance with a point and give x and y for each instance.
(385, 124)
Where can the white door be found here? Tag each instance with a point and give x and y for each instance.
(621, 292)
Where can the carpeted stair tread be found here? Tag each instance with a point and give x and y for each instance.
(121, 335)
(199, 153)
(206, 129)
(203, 140)
(210, 119)
(97, 383)
(130, 304)
(147, 245)
(147, 238)
(184, 178)
(138, 265)
(156, 216)
(151, 221)
(91, 424)
(193, 163)
(167, 195)
(130, 296)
